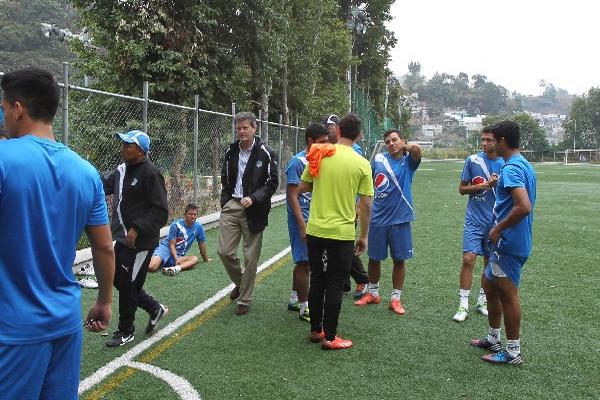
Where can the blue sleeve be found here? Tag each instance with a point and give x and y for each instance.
(413, 165)
(200, 233)
(98, 212)
(172, 232)
(358, 149)
(466, 175)
(513, 176)
(294, 171)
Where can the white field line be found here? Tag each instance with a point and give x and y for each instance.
(181, 386)
(127, 357)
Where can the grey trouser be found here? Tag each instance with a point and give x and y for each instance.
(233, 226)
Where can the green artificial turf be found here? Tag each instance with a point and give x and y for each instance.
(424, 354)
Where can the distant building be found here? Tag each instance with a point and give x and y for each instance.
(428, 132)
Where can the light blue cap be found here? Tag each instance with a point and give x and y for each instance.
(138, 137)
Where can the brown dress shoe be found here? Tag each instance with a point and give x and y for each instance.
(235, 293)
(242, 309)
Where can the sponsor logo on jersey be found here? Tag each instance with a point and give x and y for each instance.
(381, 182)
(477, 180)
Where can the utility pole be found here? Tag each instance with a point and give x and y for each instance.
(574, 134)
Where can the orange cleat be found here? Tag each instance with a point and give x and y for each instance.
(368, 299)
(396, 307)
(336, 344)
(316, 337)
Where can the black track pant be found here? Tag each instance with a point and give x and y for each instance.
(131, 268)
(330, 262)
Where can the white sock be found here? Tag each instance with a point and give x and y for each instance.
(177, 268)
(481, 299)
(493, 335)
(464, 297)
(396, 294)
(303, 306)
(374, 289)
(513, 347)
(294, 297)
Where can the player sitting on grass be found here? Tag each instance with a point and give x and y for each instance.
(170, 253)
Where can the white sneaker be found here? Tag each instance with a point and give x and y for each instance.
(88, 283)
(461, 314)
(84, 270)
(481, 308)
(171, 271)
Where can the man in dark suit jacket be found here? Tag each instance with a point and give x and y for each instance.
(249, 178)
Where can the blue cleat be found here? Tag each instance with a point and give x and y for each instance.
(502, 357)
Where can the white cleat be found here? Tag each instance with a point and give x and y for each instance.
(481, 308)
(88, 283)
(461, 314)
(171, 271)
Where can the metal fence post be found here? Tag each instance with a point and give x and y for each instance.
(260, 124)
(65, 120)
(196, 134)
(296, 145)
(280, 148)
(233, 120)
(145, 107)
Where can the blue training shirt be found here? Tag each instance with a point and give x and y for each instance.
(48, 195)
(516, 173)
(184, 236)
(392, 203)
(358, 149)
(293, 173)
(478, 169)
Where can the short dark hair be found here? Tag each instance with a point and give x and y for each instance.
(190, 206)
(36, 89)
(350, 126)
(390, 131)
(509, 130)
(315, 131)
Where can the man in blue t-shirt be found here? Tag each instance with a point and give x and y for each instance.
(48, 197)
(478, 180)
(298, 205)
(511, 240)
(170, 254)
(391, 215)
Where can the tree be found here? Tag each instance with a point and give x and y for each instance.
(22, 42)
(583, 123)
(414, 80)
(182, 48)
(533, 136)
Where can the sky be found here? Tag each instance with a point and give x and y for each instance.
(515, 43)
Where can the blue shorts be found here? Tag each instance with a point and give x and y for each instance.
(47, 370)
(397, 237)
(504, 265)
(299, 249)
(164, 253)
(475, 240)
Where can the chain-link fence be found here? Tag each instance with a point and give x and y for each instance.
(188, 144)
(372, 127)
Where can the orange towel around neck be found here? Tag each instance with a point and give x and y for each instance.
(315, 155)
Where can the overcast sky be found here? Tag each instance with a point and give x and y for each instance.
(515, 43)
